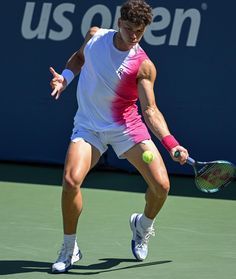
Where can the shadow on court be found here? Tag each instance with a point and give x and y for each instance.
(16, 267)
(105, 179)
(106, 265)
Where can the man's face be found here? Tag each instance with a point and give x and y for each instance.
(131, 33)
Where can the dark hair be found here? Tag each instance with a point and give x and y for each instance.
(136, 11)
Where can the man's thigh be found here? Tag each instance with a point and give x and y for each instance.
(81, 156)
(155, 172)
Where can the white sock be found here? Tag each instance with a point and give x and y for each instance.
(145, 222)
(70, 240)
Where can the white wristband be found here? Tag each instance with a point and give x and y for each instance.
(68, 75)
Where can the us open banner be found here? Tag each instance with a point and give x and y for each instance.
(192, 44)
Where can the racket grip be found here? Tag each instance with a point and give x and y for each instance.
(189, 161)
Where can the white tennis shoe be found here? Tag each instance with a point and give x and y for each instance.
(67, 257)
(139, 242)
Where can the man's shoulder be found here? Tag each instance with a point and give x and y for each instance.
(140, 54)
(147, 70)
(103, 32)
(96, 32)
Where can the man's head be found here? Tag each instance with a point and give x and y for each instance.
(137, 12)
(135, 16)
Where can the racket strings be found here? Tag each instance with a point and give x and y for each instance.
(214, 176)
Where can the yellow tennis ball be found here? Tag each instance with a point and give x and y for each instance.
(148, 156)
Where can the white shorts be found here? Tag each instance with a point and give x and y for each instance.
(118, 139)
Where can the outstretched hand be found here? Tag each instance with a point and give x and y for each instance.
(58, 83)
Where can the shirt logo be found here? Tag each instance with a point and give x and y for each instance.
(120, 72)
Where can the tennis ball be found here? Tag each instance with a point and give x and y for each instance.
(148, 156)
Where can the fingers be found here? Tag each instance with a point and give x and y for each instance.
(56, 92)
(53, 72)
(183, 158)
(56, 83)
(182, 154)
(56, 77)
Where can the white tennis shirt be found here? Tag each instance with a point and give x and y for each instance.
(107, 88)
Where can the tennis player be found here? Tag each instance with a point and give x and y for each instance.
(114, 73)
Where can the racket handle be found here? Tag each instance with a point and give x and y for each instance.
(189, 161)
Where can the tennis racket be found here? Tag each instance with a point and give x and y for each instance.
(212, 176)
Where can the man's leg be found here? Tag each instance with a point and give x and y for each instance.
(156, 176)
(81, 157)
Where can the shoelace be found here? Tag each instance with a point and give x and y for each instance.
(63, 257)
(143, 239)
(61, 254)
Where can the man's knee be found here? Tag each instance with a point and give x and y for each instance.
(72, 181)
(165, 187)
(161, 188)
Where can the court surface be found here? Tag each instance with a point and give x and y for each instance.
(195, 235)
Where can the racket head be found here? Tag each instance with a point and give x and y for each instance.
(210, 177)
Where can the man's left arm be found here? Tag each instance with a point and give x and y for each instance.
(152, 115)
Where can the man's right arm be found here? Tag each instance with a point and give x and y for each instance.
(73, 67)
(76, 61)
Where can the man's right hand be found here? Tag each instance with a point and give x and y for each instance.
(58, 83)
